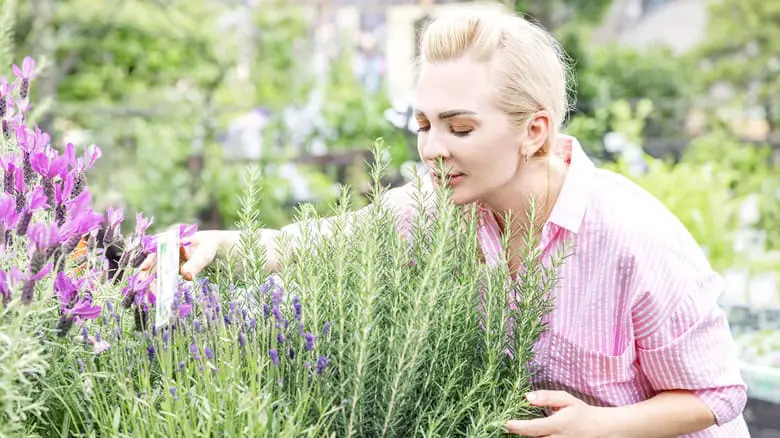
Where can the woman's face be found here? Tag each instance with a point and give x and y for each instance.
(458, 122)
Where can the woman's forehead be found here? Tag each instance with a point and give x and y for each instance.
(453, 85)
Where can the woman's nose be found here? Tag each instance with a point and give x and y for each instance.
(433, 149)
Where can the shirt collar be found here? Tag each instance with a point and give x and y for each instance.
(569, 209)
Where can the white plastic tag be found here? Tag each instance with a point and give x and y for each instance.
(167, 275)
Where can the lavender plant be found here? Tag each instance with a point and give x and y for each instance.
(47, 283)
(363, 332)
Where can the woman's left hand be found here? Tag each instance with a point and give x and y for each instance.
(571, 418)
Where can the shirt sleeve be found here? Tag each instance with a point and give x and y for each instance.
(683, 338)
(403, 203)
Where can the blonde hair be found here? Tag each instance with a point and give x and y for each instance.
(527, 64)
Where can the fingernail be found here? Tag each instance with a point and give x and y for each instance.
(531, 397)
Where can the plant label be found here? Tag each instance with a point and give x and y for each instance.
(167, 275)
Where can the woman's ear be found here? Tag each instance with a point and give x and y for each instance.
(537, 133)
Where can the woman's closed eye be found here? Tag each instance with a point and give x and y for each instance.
(460, 131)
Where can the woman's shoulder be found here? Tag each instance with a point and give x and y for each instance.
(636, 221)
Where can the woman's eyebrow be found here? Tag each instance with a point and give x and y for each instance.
(448, 114)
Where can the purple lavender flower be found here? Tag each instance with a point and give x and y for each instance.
(297, 308)
(8, 281)
(274, 356)
(326, 329)
(142, 224)
(322, 362)
(241, 339)
(184, 310)
(277, 313)
(25, 74)
(266, 310)
(5, 93)
(253, 324)
(310, 338)
(82, 365)
(280, 338)
(172, 390)
(194, 351)
(165, 336)
(207, 351)
(196, 325)
(150, 351)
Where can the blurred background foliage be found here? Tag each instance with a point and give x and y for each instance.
(173, 91)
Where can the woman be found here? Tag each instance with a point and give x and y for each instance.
(637, 345)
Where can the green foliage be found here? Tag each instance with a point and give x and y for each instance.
(7, 22)
(742, 50)
(415, 341)
(615, 73)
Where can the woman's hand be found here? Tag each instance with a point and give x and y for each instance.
(193, 258)
(571, 418)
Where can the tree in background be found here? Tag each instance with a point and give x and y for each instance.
(742, 52)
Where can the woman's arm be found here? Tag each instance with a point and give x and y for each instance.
(668, 414)
(400, 200)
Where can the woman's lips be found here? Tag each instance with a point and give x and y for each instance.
(452, 178)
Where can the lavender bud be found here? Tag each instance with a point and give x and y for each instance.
(207, 351)
(60, 213)
(48, 190)
(138, 258)
(79, 184)
(8, 178)
(252, 324)
(24, 90)
(274, 356)
(91, 243)
(28, 291)
(109, 306)
(6, 130)
(24, 223)
(326, 329)
(241, 339)
(172, 390)
(266, 310)
(29, 173)
(64, 325)
(82, 366)
(37, 261)
(196, 325)
(280, 338)
(150, 351)
(181, 366)
(21, 202)
(71, 244)
(165, 336)
(85, 334)
(3, 107)
(127, 301)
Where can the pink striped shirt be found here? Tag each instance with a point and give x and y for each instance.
(636, 308)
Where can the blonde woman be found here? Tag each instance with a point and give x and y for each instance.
(637, 345)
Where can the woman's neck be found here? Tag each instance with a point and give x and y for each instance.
(539, 180)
